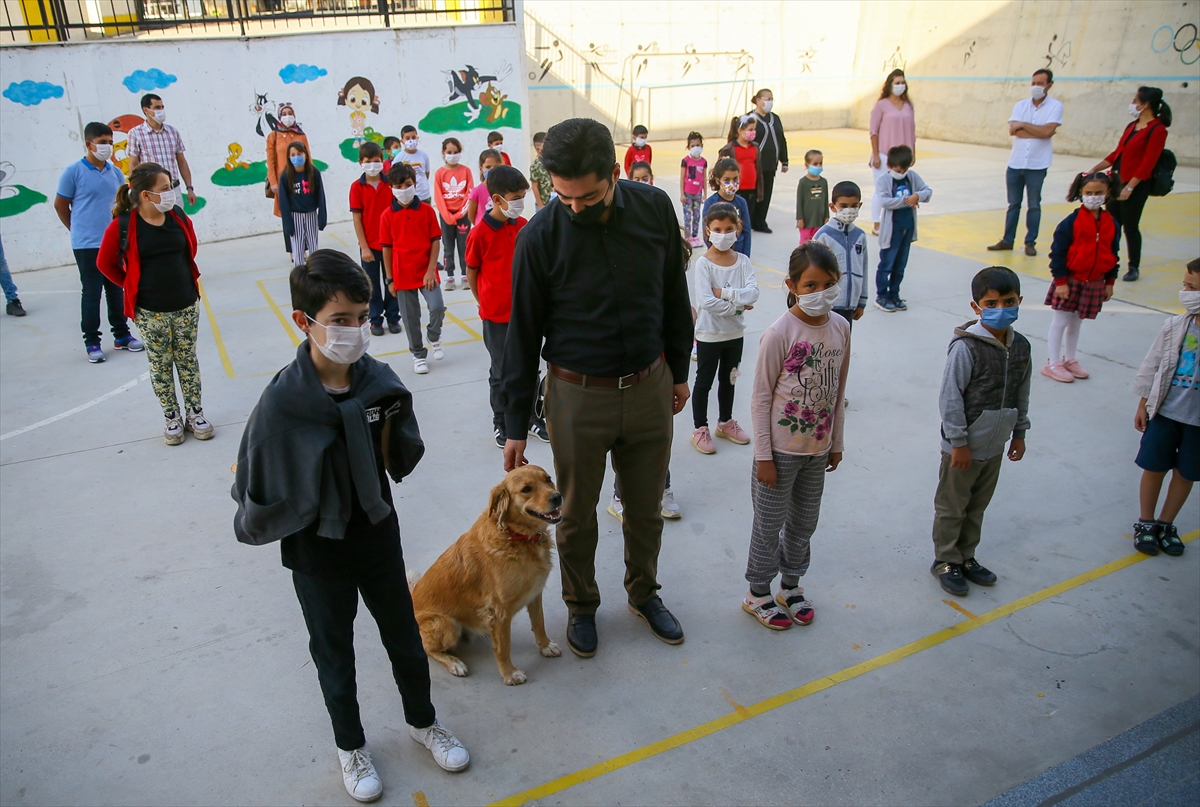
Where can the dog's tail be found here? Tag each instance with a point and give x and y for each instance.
(413, 577)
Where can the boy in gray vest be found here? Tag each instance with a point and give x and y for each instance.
(984, 401)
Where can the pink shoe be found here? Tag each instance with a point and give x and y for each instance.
(1055, 370)
(1072, 367)
(702, 440)
(732, 432)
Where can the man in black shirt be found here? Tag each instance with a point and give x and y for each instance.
(599, 288)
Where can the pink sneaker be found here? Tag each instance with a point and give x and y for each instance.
(732, 432)
(702, 440)
(1055, 370)
(1072, 367)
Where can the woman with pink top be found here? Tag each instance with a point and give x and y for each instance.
(892, 124)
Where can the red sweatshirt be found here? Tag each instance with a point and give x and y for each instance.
(452, 186)
(1138, 151)
(638, 155)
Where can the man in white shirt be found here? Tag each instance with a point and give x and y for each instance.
(1033, 122)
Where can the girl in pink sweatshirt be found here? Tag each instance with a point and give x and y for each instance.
(451, 188)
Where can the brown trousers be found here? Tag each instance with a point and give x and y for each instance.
(635, 425)
(958, 506)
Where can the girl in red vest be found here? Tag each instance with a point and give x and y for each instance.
(1083, 262)
(156, 267)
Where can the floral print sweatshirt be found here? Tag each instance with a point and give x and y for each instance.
(799, 384)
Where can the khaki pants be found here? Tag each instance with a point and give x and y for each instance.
(958, 507)
(585, 424)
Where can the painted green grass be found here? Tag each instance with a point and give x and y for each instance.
(24, 199)
(453, 118)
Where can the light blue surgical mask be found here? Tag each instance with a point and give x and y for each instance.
(999, 318)
(297, 160)
(816, 170)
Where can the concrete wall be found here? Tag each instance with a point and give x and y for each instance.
(678, 66)
(210, 88)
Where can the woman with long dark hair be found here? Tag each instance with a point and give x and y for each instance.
(301, 202)
(892, 124)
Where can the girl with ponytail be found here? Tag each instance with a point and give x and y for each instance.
(740, 147)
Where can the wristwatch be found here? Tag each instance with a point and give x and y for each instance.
(191, 188)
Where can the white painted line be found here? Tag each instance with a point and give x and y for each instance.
(78, 409)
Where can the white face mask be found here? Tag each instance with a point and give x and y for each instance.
(723, 241)
(897, 174)
(640, 142)
(102, 150)
(515, 208)
(696, 151)
(287, 120)
(1093, 201)
(819, 303)
(767, 105)
(898, 88)
(452, 159)
(1190, 300)
(372, 169)
(405, 195)
(1134, 111)
(166, 200)
(1036, 92)
(847, 215)
(343, 344)
(499, 147)
(410, 145)
(160, 115)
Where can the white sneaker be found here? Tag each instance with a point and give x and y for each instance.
(438, 353)
(420, 367)
(669, 508)
(448, 752)
(173, 432)
(359, 776)
(463, 283)
(616, 508)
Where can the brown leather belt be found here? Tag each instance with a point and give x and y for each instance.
(620, 382)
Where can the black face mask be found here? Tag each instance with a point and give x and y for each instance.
(590, 214)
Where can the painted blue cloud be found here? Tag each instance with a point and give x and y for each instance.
(146, 80)
(32, 93)
(300, 73)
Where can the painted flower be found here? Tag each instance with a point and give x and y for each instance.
(791, 408)
(798, 358)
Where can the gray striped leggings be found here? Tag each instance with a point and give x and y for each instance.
(785, 517)
(304, 236)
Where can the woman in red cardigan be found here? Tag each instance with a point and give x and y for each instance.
(1133, 163)
(157, 270)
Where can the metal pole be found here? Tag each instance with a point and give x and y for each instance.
(386, 10)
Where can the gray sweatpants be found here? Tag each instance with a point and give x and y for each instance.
(785, 517)
(410, 312)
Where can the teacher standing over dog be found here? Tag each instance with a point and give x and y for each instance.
(599, 288)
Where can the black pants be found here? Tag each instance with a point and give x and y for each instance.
(89, 310)
(751, 198)
(330, 605)
(494, 334)
(452, 235)
(759, 210)
(715, 360)
(1129, 215)
(382, 303)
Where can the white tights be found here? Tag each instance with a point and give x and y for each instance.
(1064, 336)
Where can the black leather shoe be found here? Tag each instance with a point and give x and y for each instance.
(376, 330)
(394, 327)
(1132, 275)
(662, 623)
(978, 574)
(951, 577)
(581, 635)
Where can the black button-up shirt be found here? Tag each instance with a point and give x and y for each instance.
(608, 299)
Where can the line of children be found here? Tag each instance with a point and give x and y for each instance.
(410, 236)
(495, 141)
(725, 288)
(740, 146)
(452, 186)
(480, 202)
(539, 177)
(725, 182)
(1084, 266)
(1168, 416)
(901, 192)
(370, 197)
(692, 171)
(812, 196)
(849, 245)
(639, 151)
(301, 200)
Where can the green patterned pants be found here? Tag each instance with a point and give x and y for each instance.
(170, 339)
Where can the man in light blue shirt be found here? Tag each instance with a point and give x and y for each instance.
(87, 191)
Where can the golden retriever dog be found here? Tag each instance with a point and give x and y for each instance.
(493, 570)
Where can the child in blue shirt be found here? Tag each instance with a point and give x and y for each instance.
(901, 192)
(726, 180)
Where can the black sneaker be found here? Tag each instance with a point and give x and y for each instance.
(376, 330)
(14, 309)
(1168, 540)
(394, 327)
(538, 429)
(978, 574)
(581, 635)
(501, 437)
(1132, 275)
(951, 577)
(1145, 536)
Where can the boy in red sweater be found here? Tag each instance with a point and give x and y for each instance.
(370, 196)
(640, 151)
(410, 235)
(490, 248)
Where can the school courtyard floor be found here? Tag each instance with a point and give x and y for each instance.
(148, 658)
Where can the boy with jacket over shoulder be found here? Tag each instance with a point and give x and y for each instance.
(312, 472)
(984, 400)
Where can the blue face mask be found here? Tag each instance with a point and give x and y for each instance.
(816, 170)
(485, 172)
(297, 160)
(999, 318)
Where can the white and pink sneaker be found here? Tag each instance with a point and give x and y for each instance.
(732, 432)
(1072, 367)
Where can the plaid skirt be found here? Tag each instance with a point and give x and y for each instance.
(1085, 299)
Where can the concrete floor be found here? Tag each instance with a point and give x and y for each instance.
(148, 658)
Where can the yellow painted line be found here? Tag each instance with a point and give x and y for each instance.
(245, 311)
(791, 696)
(282, 319)
(338, 238)
(450, 316)
(960, 609)
(419, 799)
(216, 329)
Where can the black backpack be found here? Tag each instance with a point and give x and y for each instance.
(1162, 179)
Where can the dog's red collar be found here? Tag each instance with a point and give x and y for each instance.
(528, 539)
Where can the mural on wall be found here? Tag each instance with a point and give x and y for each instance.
(359, 95)
(236, 171)
(121, 127)
(32, 93)
(300, 73)
(266, 112)
(490, 110)
(14, 198)
(1184, 40)
(148, 80)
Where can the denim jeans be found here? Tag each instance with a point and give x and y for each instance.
(6, 281)
(93, 284)
(891, 265)
(382, 303)
(1030, 181)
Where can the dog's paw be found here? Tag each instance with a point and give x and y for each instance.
(458, 668)
(517, 678)
(551, 650)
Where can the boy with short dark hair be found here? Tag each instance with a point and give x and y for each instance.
(410, 236)
(490, 248)
(639, 151)
(370, 196)
(496, 141)
(849, 245)
(391, 148)
(410, 154)
(984, 401)
(539, 177)
(901, 192)
(312, 472)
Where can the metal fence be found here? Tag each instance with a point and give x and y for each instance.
(32, 21)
